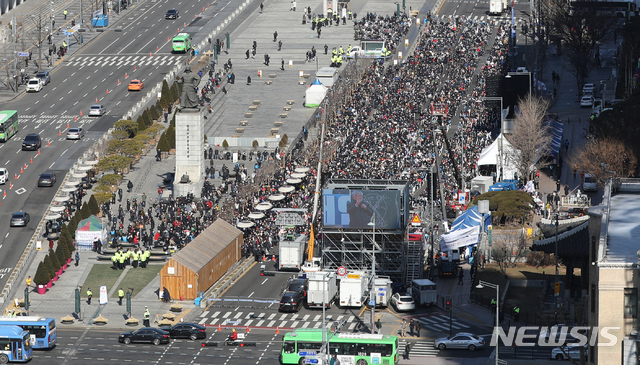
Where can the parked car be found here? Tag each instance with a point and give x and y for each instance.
(151, 335)
(32, 142)
(588, 89)
(45, 76)
(402, 302)
(570, 352)
(187, 330)
(75, 133)
(34, 85)
(291, 301)
(97, 110)
(586, 101)
(299, 285)
(3, 175)
(19, 219)
(172, 14)
(590, 183)
(136, 85)
(460, 341)
(47, 179)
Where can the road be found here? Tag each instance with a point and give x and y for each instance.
(100, 71)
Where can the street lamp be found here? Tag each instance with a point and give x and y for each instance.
(482, 284)
(372, 295)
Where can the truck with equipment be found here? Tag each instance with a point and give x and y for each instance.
(323, 288)
(291, 252)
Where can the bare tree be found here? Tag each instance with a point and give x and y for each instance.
(618, 157)
(510, 247)
(38, 39)
(582, 31)
(531, 138)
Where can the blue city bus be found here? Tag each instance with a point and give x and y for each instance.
(42, 330)
(15, 345)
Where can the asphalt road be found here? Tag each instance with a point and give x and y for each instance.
(80, 80)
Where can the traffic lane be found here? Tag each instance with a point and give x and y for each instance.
(15, 239)
(267, 347)
(252, 285)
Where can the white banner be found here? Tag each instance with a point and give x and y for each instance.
(103, 295)
(459, 238)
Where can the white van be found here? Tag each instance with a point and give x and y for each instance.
(3, 175)
(590, 183)
(327, 76)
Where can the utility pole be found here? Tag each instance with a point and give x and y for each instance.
(15, 40)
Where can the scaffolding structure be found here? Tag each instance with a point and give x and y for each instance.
(395, 255)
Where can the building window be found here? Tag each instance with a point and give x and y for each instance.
(630, 302)
(593, 298)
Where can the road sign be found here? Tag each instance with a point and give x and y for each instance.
(307, 353)
(416, 220)
(353, 276)
(372, 302)
(382, 289)
(342, 271)
(23, 54)
(289, 219)
(311, 361)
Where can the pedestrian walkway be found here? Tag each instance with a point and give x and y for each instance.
(100, 61)
(419, 348)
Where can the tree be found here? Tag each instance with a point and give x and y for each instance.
(128, 126)
(509, 247)
(39, 22)
(115, 163)
(174, 92)
(163, 144)
(73, 224)
(153, 113)
(53, 261)
(110, 180)
(146, 117)
(85, 212)
(166, 93)
(531, 138)
(171, 136)
(93, 205)
(583, 30)
(42, 274)
(225, 144)
(60, 255)
(620, 124)
(140, 122)
(255, 144)
(618, 157)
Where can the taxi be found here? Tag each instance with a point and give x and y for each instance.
(136, 85)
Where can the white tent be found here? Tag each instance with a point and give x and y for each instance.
(491, 156)
(315, 94)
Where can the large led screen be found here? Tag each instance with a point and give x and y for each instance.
(344, 208)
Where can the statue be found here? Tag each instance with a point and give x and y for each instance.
(189, 98)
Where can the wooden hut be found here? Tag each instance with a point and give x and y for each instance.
(197, 266)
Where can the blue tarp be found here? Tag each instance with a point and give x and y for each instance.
(470, 218)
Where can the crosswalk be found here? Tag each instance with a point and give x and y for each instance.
(273, 320)
(124, 60)
(440, 323)
(419, 348)
(476, 18)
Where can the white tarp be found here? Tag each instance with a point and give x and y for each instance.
(315, 94)
(87, 238)
(491, 156)
(459, 238)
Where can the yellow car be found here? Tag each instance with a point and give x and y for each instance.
(136, 85)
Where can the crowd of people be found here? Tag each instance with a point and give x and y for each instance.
(384, 130)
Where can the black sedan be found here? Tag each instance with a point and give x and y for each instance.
(172, 14)
(187, 330)
(47, 179)
(19, 219)
(291, 301)
(151, 335)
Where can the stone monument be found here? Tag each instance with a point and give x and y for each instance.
(189, 177)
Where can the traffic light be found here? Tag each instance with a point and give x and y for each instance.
(447, 305)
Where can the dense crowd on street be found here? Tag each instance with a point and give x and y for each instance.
(384, 130)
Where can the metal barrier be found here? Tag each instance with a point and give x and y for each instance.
(242, 302)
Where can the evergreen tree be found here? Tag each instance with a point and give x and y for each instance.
(55, 263)
(163, 143)
(62, 259)
(73, 224)
(93, 205)
(50, 270)
(171, 136)
(42, 274)
(141, 125)
(166, 93)
(84, 211)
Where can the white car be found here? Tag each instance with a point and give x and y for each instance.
(588, 89)
(590, 183)
(3, 175)
(570, 352)
(75, 133)
(403, 302)
(355, 51)
(586, 101)
(34, 85)
(97, 110)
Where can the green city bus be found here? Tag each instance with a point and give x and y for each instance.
(350, 348)
(181, 42)
(8, 124)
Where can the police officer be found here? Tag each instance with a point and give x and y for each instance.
(114, 261)
(89, 296)
(134, 257)
(147, 316)
(121, 259)
(65, 14)
(120, 296)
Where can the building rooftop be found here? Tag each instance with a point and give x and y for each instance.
(624, 229)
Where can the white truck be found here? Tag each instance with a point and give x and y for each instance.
(35, 84)
(291, 252)
(4, 175)
(323, 288)
(497, 7)
(353, 289)
(382, 289)
(424, 292)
